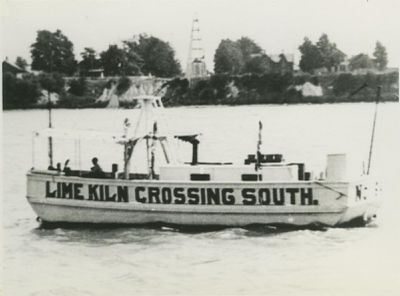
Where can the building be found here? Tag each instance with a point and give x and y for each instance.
(197, 69)
(342, 67)
(8, 67)
(277, 63)
(95, 73)
(282, 63)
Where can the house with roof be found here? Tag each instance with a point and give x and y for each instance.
(8, 67)
(282, 63)
(277, 63)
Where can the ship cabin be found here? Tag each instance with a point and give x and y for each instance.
(266, 167)
(255, 168)
(230, 173)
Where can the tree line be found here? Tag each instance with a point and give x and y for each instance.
(143, 54)
(325, 54)
(52, 54)
(245, 56)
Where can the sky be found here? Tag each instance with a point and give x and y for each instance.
(276, 25)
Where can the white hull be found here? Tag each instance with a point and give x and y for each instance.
(100, 201)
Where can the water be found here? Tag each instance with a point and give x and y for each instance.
(139, 261)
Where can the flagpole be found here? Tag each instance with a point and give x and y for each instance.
(50, 126)
(50, 120)
(153, 148)
(126, 126)
(258, 162)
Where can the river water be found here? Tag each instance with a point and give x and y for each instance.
(143, 261)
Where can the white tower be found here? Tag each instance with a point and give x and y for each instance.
(196, 66)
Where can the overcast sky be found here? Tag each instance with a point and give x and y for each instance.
(277, 25)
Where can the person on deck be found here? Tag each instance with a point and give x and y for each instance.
(96, 169)
(67, 169)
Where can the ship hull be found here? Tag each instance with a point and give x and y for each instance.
(60, 199)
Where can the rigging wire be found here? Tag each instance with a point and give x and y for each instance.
(378, 94)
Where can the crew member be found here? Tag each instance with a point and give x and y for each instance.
(96, 169)
(67, 169)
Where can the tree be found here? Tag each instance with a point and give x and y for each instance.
(258, 64)
(241, 56)
(53, 52)
(248, 48)
(120, 61)
(331, 55)
(310, 56)
(156, 56)
(361, 61)
(134, 60)
(21, 62)
(380, 55)
(89, 60)
(52, 82)
(113, 60)
(228, 58)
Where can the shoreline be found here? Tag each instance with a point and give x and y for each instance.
(221, 89)
(206, 105)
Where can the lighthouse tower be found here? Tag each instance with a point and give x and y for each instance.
(196, 66)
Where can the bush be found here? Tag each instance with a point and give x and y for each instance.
(78, 87)
(344, 83)
(315, 80)
(177, 91)
(20, 93)
(347, 84)
(68, 100)
(207, 96)
(110, 83)
(249, 89)
(52, 82)
(301, 79)
(278, 89)
(124, 83)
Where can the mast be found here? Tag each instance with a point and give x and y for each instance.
(50, 126)
(147, 128)
(50, 119)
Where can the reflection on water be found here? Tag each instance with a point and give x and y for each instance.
(161, 260)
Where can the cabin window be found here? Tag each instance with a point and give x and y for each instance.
(251, 177)
(199, 177)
